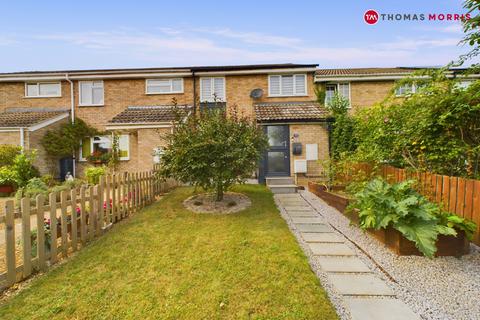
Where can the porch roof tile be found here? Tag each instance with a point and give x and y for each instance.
(23, 119)
(148, 114)
(290, 111)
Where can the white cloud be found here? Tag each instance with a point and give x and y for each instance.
(207, 47)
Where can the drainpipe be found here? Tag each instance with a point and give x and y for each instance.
(72, 114)
(194, 95)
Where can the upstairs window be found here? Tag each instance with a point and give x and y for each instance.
(287, 85)
(405, 89)
(43, 89)
(212, 89)
(343, 90)
(164, 86)
(463, 84)
(91, 93)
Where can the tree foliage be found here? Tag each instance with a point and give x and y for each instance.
(213, 150)
(471, 30)
(436, 129)
(66, 140)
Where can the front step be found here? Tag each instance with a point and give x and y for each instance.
(275, 181)
(283, 188)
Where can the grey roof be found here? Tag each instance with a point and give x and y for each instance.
(23, 119)
(149, 114)
(275, 111)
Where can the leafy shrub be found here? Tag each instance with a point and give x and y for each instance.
(23, 168)
(343, 137)
(7, 176)
(74, 183)
(400, 206)
(93, 174)
(8, 152)
(34, 187)
(458, 223)
(49, 180)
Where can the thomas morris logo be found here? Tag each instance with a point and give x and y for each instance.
(372, 17)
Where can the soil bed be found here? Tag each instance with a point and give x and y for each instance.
(205, 203)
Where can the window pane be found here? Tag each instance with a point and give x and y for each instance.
(329, 93)
(102, 144)
(32, 90)
(344, 90)
(276, 136)
(300, 87)
(287, 85)
(123, 145)
(97, 96)
(274, 85)
(85, 92)
(276, 162)
(177, 85)
(159, 86)
(206, 93)
(49, 89)
(218, 87)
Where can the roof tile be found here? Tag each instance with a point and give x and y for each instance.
(23, 119)
(290, 111)
(148, 114)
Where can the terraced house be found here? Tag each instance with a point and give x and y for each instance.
(137, 104)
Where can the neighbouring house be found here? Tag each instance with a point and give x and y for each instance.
(137, 105)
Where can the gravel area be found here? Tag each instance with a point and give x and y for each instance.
(440, 288)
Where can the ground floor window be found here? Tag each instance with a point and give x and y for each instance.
(343, 89)
(100, 148)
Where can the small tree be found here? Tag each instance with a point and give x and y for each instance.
(213, 150)
(343, 137)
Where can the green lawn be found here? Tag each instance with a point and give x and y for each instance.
(168, 263)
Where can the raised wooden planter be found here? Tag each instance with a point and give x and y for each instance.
(6, 189)
(390, 237)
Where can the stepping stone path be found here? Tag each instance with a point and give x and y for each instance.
(366, 296)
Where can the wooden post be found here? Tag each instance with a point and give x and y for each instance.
(52, 199)
(101, 195)
(10, 243)
(26, 237)
(97, 210)
(74, 234)
(107, 198)
(114, 198)
(92, 215)
(83, 217)
(137, 191)
(42, 263)
(128, 205)
(63, 221)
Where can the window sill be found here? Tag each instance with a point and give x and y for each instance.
(155, 93)
(287, 96)
(37, 97)
(91, 105)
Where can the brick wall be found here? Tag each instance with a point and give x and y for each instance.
(12, 95)
(10, 137)
(367, 93)
(309, 134)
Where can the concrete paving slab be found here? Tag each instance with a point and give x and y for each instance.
(330, 249)
(293, 203)
(360, 285)
(288, 196)
(342, 264)
(298, 208)
(309, 220)
(313, 227)
(379, 309)
(302, 214)
(322, 237)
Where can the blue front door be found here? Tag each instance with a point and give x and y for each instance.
(276, 160)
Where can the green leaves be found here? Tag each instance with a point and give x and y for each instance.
(381, 205)
(213, 150)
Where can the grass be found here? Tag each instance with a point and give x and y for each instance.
(169, 263)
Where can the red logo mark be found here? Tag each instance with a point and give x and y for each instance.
(370, 16)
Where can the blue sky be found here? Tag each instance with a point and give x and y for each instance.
(50, 35)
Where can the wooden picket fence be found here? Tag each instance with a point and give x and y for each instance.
(67, 221)
(456, 195)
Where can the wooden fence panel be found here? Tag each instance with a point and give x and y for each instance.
(63, 222)
(83, 217)
(92, 216)
(73, 220)
(460, 205)
(476, 210)
(10, 258)
(42, 263)
(468, 210)
(107, 198)
(52, 201)
(26, 237)
(100, 201)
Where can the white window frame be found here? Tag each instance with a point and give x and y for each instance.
(59, 83)
(414, 89)
(303, 94)
(337, 84)
(90, 104)
(171, 86)
(212, 84)
(83, 158)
